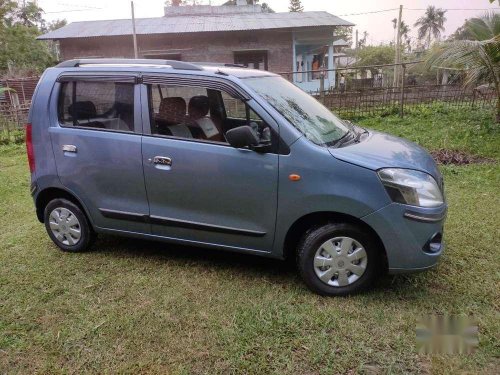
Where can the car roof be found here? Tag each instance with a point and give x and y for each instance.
(163, 66)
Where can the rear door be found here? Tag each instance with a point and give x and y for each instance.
(96, 139)
(202, 190)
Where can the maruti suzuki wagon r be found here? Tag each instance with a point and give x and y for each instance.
(231, 158)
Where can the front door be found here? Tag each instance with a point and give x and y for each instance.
(96, 142)
(200, 189)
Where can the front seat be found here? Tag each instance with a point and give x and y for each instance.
(198, 111)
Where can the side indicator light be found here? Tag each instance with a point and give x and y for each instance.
(294, 177)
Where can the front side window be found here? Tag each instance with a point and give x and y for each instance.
(200, 113)
(100, 105)
(304, 112)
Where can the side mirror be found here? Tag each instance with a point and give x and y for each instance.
(242, 136)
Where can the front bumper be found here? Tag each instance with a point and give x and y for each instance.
(412, 236)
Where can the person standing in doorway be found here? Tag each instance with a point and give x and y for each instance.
(315, 67)
(342, 83)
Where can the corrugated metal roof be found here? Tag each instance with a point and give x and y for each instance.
(340, 42)
(197, 24)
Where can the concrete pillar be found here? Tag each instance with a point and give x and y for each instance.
(294, 59)
(304, 68)
(331, 65)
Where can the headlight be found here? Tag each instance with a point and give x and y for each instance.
(411, 187)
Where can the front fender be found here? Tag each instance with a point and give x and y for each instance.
(326, 185)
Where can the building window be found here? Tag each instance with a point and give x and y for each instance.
(251, 59)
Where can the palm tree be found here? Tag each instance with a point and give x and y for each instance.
(431, 24)
(405, 30)
(395, 26)
(479, 57)
(405, 33)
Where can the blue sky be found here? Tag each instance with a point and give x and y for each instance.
(378, 25)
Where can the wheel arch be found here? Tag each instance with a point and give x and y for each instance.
(301, 225)
(48, 194)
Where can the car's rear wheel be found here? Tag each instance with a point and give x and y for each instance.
(338, 259)
(68, 226)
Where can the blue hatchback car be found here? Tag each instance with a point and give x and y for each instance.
(230, 158)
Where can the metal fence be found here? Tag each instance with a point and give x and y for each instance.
(392, 88)
(356, 91)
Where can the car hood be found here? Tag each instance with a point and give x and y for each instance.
(380, 150)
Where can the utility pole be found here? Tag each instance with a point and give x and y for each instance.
(357, 40)
(133, 30)
(398, 49)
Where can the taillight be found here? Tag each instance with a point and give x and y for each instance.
(29, 148)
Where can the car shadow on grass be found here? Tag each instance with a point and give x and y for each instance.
(190, 255)
(253, 266)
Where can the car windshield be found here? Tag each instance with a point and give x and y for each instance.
(304, 112)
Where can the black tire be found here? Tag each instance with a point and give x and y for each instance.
(314, 238)
(87, 234)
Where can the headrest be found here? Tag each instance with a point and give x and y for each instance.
(199, 106)
(172, 109)
(82, 110)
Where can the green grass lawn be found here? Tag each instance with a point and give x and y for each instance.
(135, 306)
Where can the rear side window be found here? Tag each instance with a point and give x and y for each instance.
(99, 105)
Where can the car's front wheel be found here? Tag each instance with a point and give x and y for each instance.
(337, 259)
(68, 226)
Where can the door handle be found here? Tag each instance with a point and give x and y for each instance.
(162, 161)
(69, 148)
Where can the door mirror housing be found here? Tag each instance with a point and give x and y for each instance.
(242, 136)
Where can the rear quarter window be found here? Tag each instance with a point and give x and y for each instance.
(99, 105)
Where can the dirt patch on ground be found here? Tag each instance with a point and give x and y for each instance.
(446, 157)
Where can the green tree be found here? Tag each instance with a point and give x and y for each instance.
(267, 9)
(295, 6)
(395, 26)
(431, 24)
(20, 49)
(375, 55)
(265, 6)
(19, 27)
(344, 32)
(54, 25)
(405, 30)
(462, 33)
(362, 42)
(405, 35)
(29, 14)
(7, 8)
(479, 56)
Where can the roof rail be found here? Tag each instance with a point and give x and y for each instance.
(181, 65)
(216, 64)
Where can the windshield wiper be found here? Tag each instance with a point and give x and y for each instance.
(352, 134)
(339, 142)
(359, 134)
(354, 129)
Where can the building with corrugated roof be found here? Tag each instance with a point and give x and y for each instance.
(244, 34)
